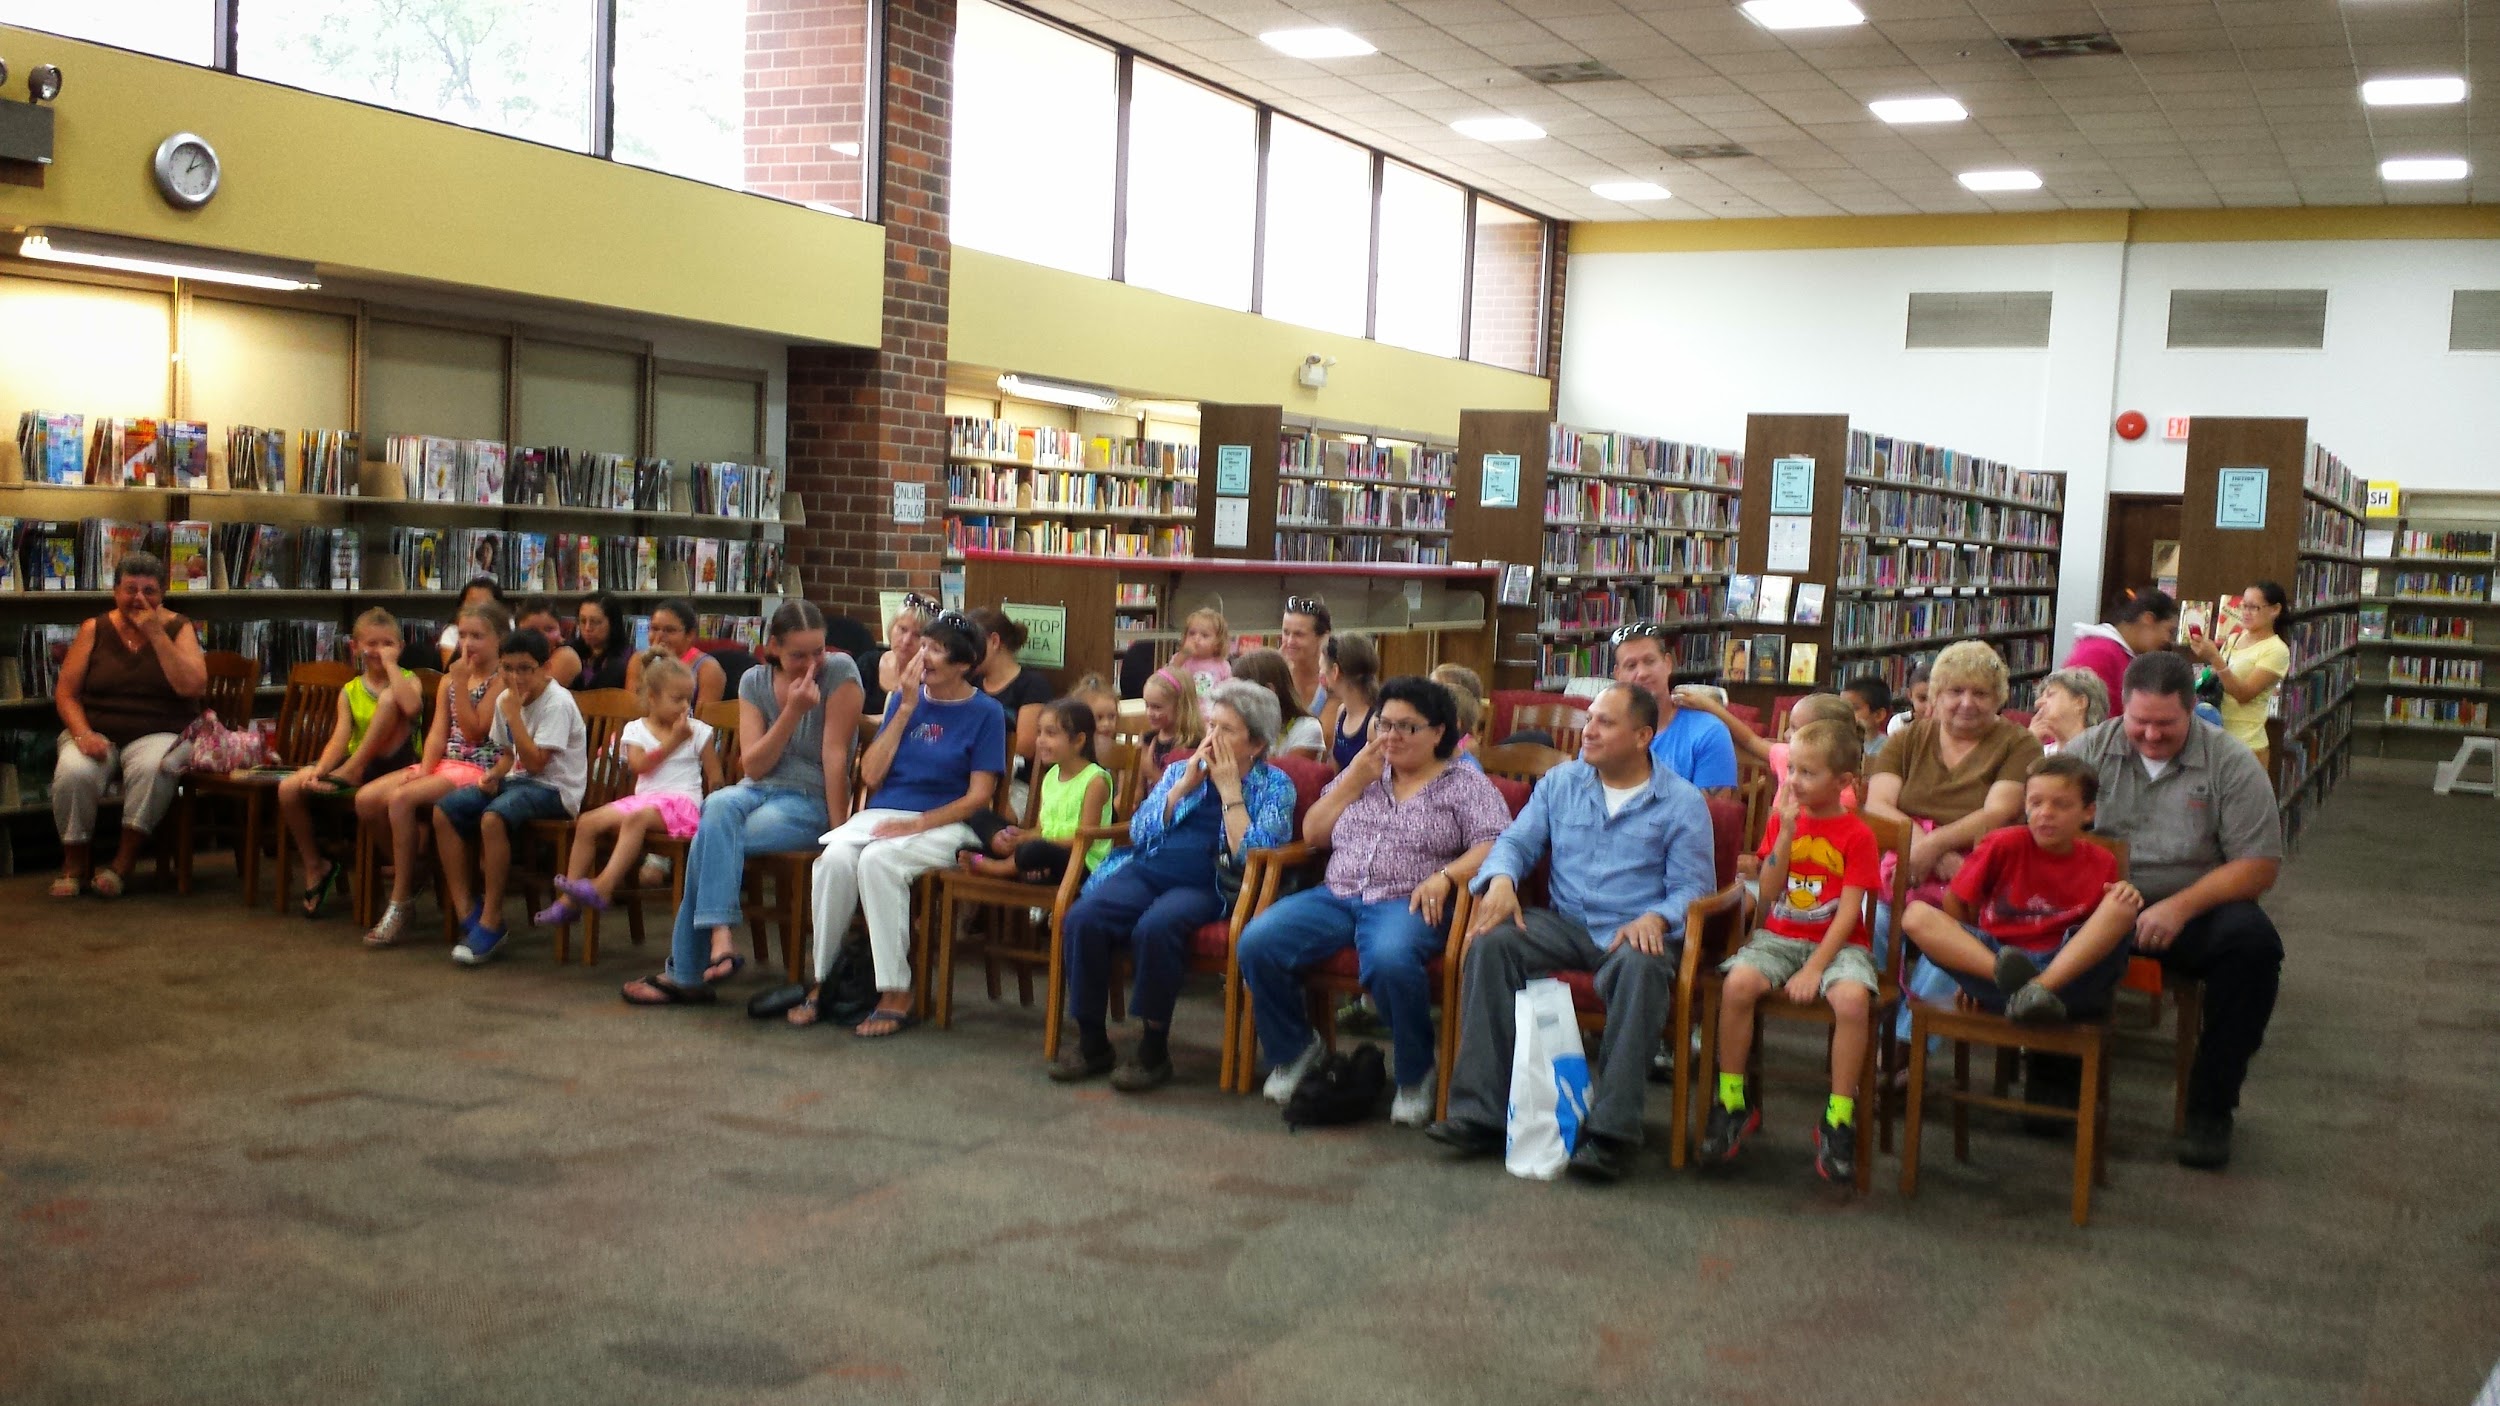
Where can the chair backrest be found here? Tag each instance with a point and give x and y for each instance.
(429, 688)
(723, 716)
(1727, 837)
(869, 725)
(1119, 757)
(1891, 837)
(2116, 846)
(1746, 713)
(1501, 709)
(1520, 761)
(1707, 945)
(1755, 789)
(1515, 793)
(2019, 717)
(1779, 712)
(1028, 749)
(605, 711)
(1310, 776)
(309, 709)
(233, 687)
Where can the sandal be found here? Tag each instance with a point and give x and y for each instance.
(658, 990)
(712, 972)
(556, 914)
(317, 895)
(892, 1023)
(107, 883)
(68, 886)
(386, 932)
(583, 892)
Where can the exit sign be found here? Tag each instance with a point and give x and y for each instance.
(2176, 427)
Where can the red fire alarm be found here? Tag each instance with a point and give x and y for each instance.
(2132, 425)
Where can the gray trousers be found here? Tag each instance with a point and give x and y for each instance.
(150, 772)
(1639, 992)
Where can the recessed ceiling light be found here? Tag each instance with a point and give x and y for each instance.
(1802, 14)
(1904, 111)
(2424, 168)
(1498, 129)
(1629, 191)
(1317, 43)
(1999, 180)
(2412, 92)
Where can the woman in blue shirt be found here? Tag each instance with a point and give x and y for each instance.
(1181, 871)
(936, 763)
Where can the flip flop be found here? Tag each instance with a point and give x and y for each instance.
(737, 963)
(317, 895)
(896, 1022)
(68, 886)
(107, 883)
(671, 994)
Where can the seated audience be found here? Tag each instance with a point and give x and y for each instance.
(1353, 674)
(479, 590)
(672, 634)
(1304, 643)
(1917, 699)
(1467, 696)
(602, 641)
(1870, 698)
(2070, 700)
(459, 747)
(129, 685)
(669, 751)
(539, 615)
(1075, 793)
(1097, 694)
(1958, 773)
(1174, 725)
(1691, 743)
(1299, 733)
(1205, 640)
(371, 735)
(902, 638)
(542, 764)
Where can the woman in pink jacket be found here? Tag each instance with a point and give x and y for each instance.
(2142, 621)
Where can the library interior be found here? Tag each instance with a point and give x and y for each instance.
(1499, 639)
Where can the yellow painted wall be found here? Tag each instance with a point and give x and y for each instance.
(361, 189)
(1016, 316)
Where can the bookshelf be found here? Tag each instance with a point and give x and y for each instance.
(1911, 547)
(2300, 510)
(1348, 495)
(2429, 645)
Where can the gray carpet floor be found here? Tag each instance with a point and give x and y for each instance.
(244, 1160)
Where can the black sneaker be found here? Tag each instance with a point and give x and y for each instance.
(1836, 1153)
(1078, 1064)
(1466, 1139)
(1599, 1159)
(1724, 1136)
(2206, 1145)
(2015, 969)
(1135, 1076)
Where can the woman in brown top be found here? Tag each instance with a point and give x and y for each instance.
(1957, 773)
(130, 684)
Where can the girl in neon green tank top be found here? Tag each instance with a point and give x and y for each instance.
(1076, 791)
(377, 715)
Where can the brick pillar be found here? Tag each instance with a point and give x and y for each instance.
(806, 100)
(1554, 317)
(863, 419)
(1503, 329)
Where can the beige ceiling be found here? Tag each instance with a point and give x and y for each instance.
(2214, 102)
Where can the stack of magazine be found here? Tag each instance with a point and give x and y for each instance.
(53, 446)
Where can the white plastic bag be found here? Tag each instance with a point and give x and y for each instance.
(1549, 1081)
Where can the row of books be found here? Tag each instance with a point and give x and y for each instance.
(27, 756)
(326, 461)
(2415, 627)
(1608, 609)
(2327, 529)
(85, 554)
(1901, 512)
(2304, 696)
(977, 532)
(1311, 453)
(1894, 460)
(1321, 504)
(1881, 624)
(2307, 767)
(1870, 565)
(2469, 586)
(2318, 582)
(2445, 670)
(2326, 475)
(1598, 502)
(138, 452)
(1134, 594)
(2380, 542)
(2317, 636)
(2463, 714)
(1694, 653)
(1768, 659)
(1764, 599)
(1361, 547)
(1046, 446)
(1570, 550)
(1005, 487)
(1577, 451)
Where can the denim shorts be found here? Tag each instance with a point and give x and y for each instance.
(517, 802)
(2087, 996)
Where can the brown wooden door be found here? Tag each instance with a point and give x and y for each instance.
(2140, 524)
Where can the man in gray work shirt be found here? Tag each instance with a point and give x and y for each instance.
(2204, 843)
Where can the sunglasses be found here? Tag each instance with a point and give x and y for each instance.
(1640, 630)
(1304, 605)
(958, 620)
(913, 600)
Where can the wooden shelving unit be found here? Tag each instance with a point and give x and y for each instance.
(2430, 626)
(1052, 489)
(1360, 496)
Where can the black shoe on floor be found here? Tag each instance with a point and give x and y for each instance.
(1724, 1135)
(1135, 1076)
(1836, 1153)
(1078, 1065)
(1600, 1159)
(2206, 1145)
(1466, 1139)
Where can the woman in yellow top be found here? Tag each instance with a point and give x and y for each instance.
(2250, 665)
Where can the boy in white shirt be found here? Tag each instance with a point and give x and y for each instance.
(544, 766)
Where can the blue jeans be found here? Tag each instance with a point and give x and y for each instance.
(1924, 980)
(736, 820)
(1392, 945)
(1155, 919)
(516, 802)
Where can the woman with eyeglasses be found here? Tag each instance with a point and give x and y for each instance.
(1181, 870)
(1405, 827)
(796, 722)
(1303, 642)
(1353, 695)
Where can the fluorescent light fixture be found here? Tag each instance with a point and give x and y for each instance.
(2424, 168)
(1802, 14)
(1317, 43)
(1999, 180)
(2412, 92)
(1498, 129)
(113, 251)
(1083, 397)
(1631, 191)
(1902, 112)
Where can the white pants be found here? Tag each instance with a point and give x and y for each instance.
(150, 769)
(860, 872)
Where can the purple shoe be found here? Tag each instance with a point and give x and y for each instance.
(556, 914)
(583, 892)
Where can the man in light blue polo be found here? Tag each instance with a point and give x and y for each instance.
(1690, 742)
(1628, 848)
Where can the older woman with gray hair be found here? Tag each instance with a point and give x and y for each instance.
(1180, 871)
(129, 685)
(2070, 701)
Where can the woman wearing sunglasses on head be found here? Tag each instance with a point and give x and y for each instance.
(1304, 643)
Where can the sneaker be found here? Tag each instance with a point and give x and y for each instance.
(2034, 1004)
(1282, 1080)
(1136, 1077)
(556, 914)
(2015, 970)
(1599, 1159)
(1466, 1139)
(1076, 1065)
(1836, 1152)
(1724, 1136)
(477, 948)
(2206, 1145)
(387, 932)
(1412, 1108)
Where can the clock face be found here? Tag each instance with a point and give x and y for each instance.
(186, 170)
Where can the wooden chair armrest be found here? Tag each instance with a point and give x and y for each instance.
(1711, 926)
(1086, 834)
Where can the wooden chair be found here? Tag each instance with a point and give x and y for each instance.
(1520, 761)
(605, 712)
(1875, 1097)
(723, 718)
(233, 690)
(2087, 1040)
(1755, 790)
(1561, 721)
(305, 715)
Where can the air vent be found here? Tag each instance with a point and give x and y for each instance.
(2474, 320)
(2278, 319)
(1942, 320)
(1585, 71)
(1706, 151)
(2064, 46)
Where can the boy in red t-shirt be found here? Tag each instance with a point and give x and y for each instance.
(1818, 864)
(2052, 915)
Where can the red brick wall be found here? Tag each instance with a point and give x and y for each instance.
(864, 419)
(1505, 329)
(806, 86)
(1554, 316)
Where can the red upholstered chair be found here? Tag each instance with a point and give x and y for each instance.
(2019, 717)
(1746, 713)
(1555, 714)
(1779, 713)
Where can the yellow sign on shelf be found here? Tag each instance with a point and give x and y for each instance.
(2384, 499)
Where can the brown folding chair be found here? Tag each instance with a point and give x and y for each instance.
(605, 712)
(233, 690)
(305, 716)
(1560, 721)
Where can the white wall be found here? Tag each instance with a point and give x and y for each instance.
(1685, 345)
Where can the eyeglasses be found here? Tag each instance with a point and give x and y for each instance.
(913, 600)
(1398, 727)
(1304, 605)
(1639, 630)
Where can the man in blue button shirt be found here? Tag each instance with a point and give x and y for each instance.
(1690, 742)
(1628, 846)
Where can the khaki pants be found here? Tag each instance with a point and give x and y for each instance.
(150, 771)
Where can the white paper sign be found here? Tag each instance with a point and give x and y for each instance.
(1232, 522)
(911, 504)
(1791, 544)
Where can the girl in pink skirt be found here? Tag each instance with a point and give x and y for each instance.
(669, 751)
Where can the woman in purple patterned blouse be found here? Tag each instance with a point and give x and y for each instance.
(1405, 829)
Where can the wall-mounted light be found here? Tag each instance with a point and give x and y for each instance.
(1072, 393)
(113, 251)
(43, 83)
(1314, 372)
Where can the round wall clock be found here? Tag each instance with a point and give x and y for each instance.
(186, 170)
